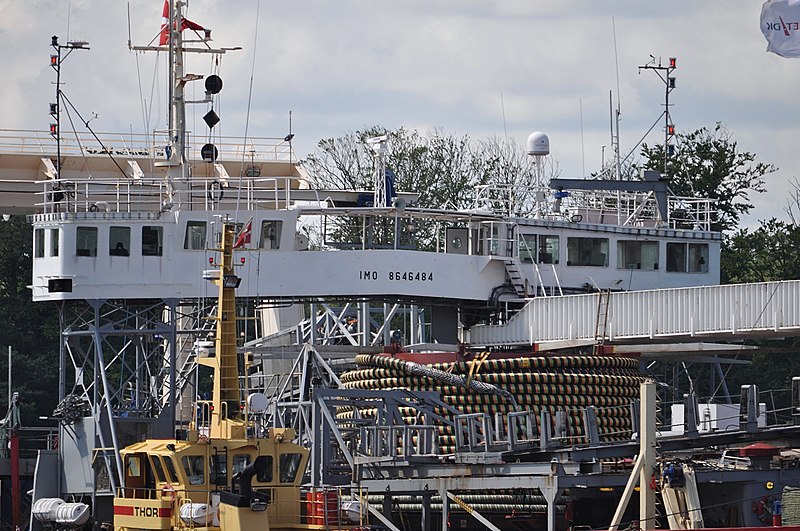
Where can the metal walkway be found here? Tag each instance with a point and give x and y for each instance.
(729, 312)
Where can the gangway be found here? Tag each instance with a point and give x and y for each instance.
(726, 312)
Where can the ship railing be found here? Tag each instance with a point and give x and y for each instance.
(101, 196)
(399, 441)
(115, 196)
(595, 206)
(250, 150)
(501, 238)
(329, 508)
(202, 415)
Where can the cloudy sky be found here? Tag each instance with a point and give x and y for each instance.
(476, 67)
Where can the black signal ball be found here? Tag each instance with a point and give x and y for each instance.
(209, 152)
(213, 84)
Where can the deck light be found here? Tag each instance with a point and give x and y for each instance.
(231, 281)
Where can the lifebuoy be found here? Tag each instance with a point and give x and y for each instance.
(762, 508)
(215, 191)
(168, 492)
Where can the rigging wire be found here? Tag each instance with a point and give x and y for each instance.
(86, 124)
(249, 106)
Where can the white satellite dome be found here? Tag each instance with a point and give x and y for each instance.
(538, 144)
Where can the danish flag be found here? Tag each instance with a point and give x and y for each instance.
(163, 39)
(243, 238)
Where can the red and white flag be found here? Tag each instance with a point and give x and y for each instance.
(185, 23)
(244, 235)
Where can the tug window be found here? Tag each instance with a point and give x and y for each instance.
(39, 243)
(290, 463)
(270, 235)
(218, 469)
(193, 465)
(134, 466)
(637, 255)
(240, 461)
(54, 242)
(195, 236)
(173, 474)
(86, 241)
(158, 469)
(119, 241)
(152, 240)
(266, 477)
(587, 252)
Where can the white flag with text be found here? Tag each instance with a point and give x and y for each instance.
(780, 23)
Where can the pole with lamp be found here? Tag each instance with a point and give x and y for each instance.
(62, 52)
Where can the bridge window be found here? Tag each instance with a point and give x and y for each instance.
(38, 239)
(542, 247)
(637, 255)
(152, 241)
(698, 258)
(195, 236)
(86, 241)
(270, 234)
(691, 257)
(54, 237)
(587, 252)
(290, 465)
(193, 465)
(119, 241)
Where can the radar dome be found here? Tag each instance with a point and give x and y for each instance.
(538, 144)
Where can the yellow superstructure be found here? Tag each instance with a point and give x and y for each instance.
(224, 474)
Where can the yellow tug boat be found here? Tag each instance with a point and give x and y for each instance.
(227, 473)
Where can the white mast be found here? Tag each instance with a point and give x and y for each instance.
(176, 148)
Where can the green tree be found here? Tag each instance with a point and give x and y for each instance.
(31, 329)
(444, 170)
(708, 164)
(770, 252)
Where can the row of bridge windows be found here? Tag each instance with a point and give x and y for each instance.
(152, 239)
(631, 254)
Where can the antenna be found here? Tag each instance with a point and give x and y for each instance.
(289, 137)
(615, 137)
(583, 144)
(503, 110)
(665, 74)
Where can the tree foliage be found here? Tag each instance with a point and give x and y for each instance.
(31, 329)
(444, 169)
(770, 252)
(708, 164)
